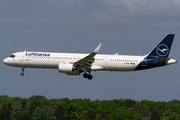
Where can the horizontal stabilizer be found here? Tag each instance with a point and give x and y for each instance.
(163, 60)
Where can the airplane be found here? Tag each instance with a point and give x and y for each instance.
(76, 63)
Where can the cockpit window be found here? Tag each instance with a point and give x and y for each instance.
(12, 56)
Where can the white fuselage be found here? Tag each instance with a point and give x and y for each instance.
(52, 60)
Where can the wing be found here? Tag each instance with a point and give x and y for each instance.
(86, 62)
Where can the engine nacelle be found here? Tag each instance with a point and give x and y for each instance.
(67, 68)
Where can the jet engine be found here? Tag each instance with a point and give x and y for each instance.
(67, 68)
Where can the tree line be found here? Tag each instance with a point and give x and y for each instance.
(38, 107)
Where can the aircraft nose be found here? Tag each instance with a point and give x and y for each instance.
(5, 61)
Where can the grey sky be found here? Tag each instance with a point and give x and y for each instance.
(130, 27)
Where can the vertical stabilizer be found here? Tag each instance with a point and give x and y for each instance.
(162, 50)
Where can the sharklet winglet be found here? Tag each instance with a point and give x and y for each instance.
(98, 47)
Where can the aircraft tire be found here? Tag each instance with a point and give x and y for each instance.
(22, 74)
(85, 75)
(90, 77)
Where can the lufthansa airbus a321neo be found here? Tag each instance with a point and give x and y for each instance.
(75, 63)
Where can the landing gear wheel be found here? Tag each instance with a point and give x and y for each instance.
(22, 74)
(85, 75)
(90, 77)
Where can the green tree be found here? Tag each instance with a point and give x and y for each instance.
(87, 115)
(38, 97)
(32, 106)
(38, 114)
(175, 109)
(119, 103)
(88, 104)
(129, 103)
(91, 114)
(45, 103)
(102, 116)
(24, 104)
(3, 112)
(106, 106)
(152, 106)
(6, 111)
(155, 115)
(48, 113)
(59, 112)
(172, 102)
(3, 96)
(18, 113)
(2, 115)
(173, 116)
(122, 113)
(83, 116)
(17, 100)
(142, 111)
(9, 106)
(167, 113)
(74, 110)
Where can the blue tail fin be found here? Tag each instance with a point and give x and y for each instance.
(162, 50)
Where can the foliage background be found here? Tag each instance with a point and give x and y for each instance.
(37, 107)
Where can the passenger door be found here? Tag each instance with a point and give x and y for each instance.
(21, 57)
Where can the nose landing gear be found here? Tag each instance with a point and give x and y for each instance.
(89, 76)
(22, 73)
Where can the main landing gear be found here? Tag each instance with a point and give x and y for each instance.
(89, 76)
(22, 73)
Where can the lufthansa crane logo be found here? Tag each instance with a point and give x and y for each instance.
(162, 50)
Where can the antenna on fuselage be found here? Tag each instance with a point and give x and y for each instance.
(116, 53)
